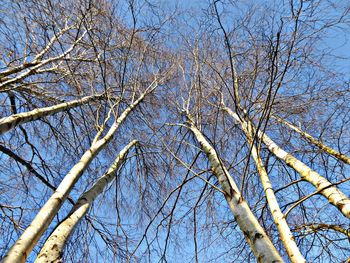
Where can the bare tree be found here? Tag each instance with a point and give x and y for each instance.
(52, 250)
(240, 113)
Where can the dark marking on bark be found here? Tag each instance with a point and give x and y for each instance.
(318, 184)
(83, 199)
(54, 247)
(246, 234)
(257, 236)
(59, 199)
(227, 196)
(341, 206)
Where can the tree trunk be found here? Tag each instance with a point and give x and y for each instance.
(24, 245)
(255, 235)
(8, 123)
(52, 250)
(281, 223)
(327, 149)
(332, 193)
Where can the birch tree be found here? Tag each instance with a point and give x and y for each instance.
(262, 247)
(126, 51)
(240, 110)
(7, 123)
(52, 250)
(323, 186)
(30, 237)
(314, 141)
(282, 226)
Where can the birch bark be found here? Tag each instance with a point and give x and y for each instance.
(24, 245)
(8, 123)
(327, 149)
(281, 223)
(326, 188)
(255, 235)
(52, 250)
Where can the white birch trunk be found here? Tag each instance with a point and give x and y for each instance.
(255, 235)
(8, 123)
(52, 250)
(24, 245)
(332, 193)
(327, 149)
(282, 226)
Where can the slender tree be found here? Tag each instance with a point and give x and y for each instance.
(284, 231)
(260, 243)
(21, 249)
(316, 142)
(8, 123)
(323, 186)
(241, 108)
(52, 250)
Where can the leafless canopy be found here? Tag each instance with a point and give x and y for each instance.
(187, 131)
